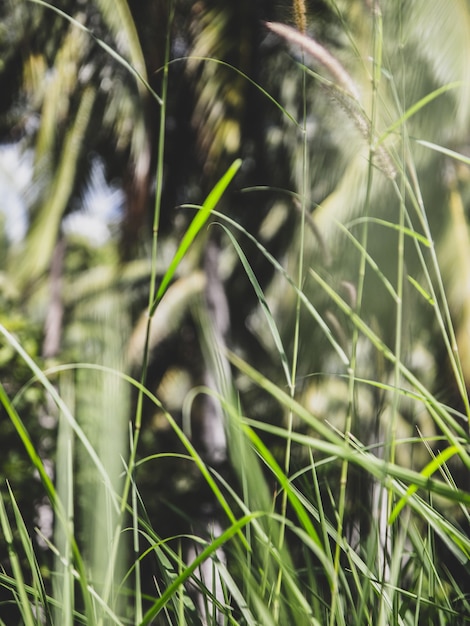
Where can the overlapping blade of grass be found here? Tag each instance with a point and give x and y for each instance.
(458, 156)
(433, 466)
(228, 534)
(187, 571)
(171, 420)
(63, 580)
(393, 476)
(195, 226)
(38, 599)
(24, 599)
(271, 587)
(129, 66)
(435, 290)
(252, 82)
(49, 387)
(366, 578)
(313, 595)
(404, 483)
(417, 107)
(310, 307)
(178, 607)
(452, 429)
(255, 597)
(89, 596)
(264, 306)
(449, 533)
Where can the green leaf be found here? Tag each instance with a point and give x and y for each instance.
(446, 151)
(264, 305)
(406, 231)
(421, 290)
(141, 79)
(203, 556)
(20, 589)
(417, 107)
(198, 222)
(428, 471)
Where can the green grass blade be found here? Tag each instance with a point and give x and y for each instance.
(23, 600)
(428, 471)
(305, 301)
(265, 93)
(450, 153)
(38, 464)
(178, 431)
(427, 296)
(415, 108)
(198, 222)
(25, 439)
(442, 416)
(406, 231)
(38, 596)
(391, 475)
(234, 529)
(285, 484)
(370, 261)
(264, 306)
(107, 48)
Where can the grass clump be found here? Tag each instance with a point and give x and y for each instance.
(336, 492)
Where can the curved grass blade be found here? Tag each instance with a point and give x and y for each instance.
(370, 261)
(246, 77)
(268, 457)
(428, 471)
(205, 472)
(198, 222)
(417, 107)
(264, 305)
(305, 301)
(120, 59)
(47, 482)
(442, 416)
(446, 151)
(406, 231)
(42, 378)
(23, 601)
(188, 571)
(333, 444)
(421, 290)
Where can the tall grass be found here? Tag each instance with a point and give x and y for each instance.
(294, 544)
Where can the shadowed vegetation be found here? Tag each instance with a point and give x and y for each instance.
(234, 309)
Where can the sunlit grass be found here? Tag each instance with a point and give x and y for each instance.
(296, 542)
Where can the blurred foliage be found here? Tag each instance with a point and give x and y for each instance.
(30, 402)
(66, 97)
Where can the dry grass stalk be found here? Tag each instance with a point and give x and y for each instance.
(300, 15)
(343, 88)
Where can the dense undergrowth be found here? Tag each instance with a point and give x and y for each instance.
(338, 493)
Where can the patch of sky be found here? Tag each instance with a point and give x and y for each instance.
(94, 216)
(16, 169)
(99, 210)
